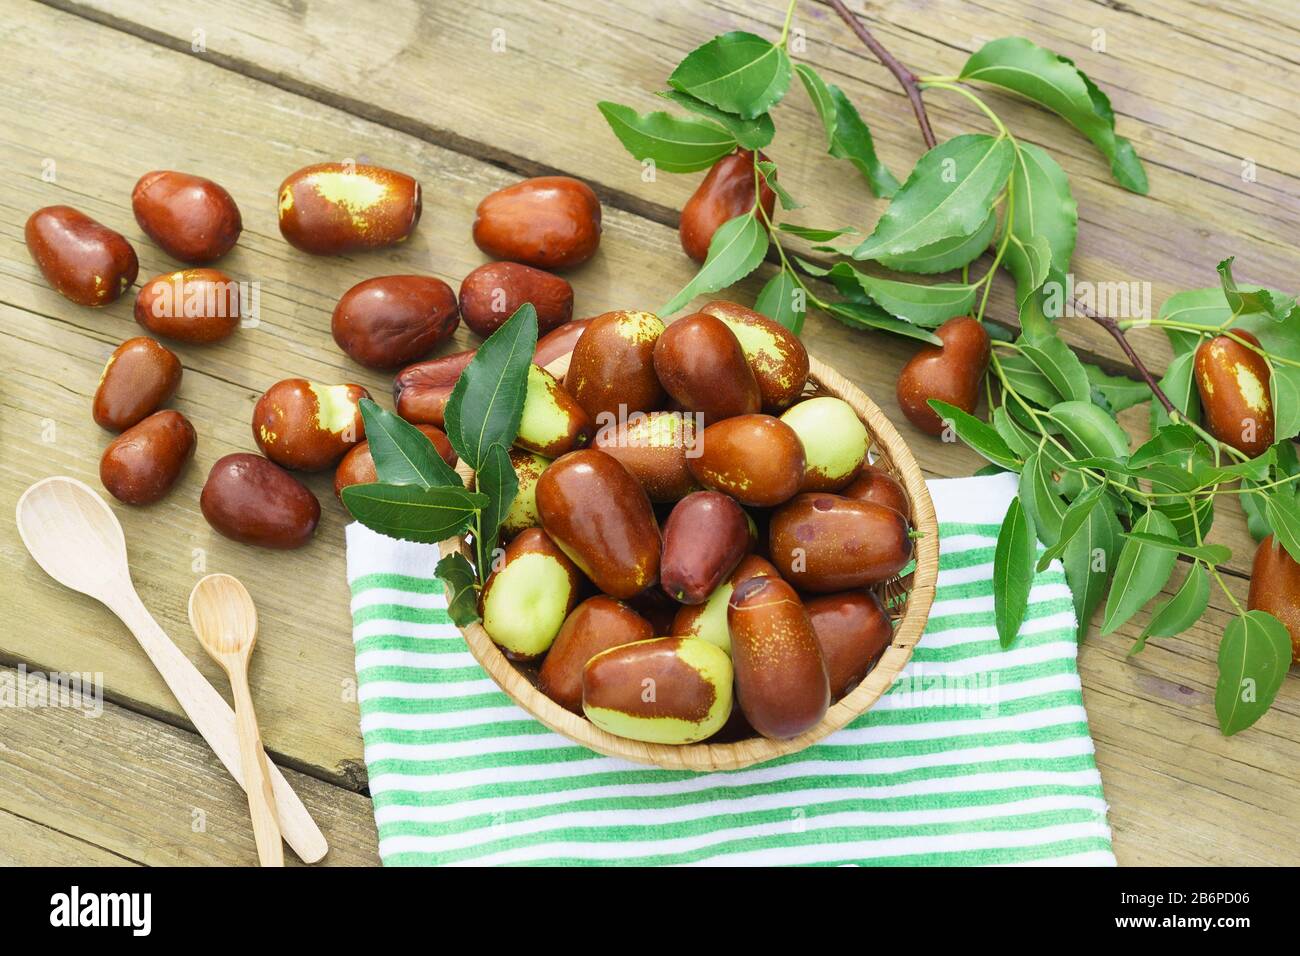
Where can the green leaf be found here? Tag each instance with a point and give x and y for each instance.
(950, 193)
(768, 171)
(488, 400)
(736, 250)
(783, 299)
(847, 136)
(1039, 497)
(737, 72)
(1015, 64)
(1027, 381)
(1142, 571)
(403, 455)
(1013, 572)
(1045, 213)
(925, 305)
(1254, 656)
(1120, 392)
(812, 234)
(1170, 445)
(868, 315)
(1181, 611)
(1089, 558)
(1072, 522)
(1250, 301)
(1089, 429)
(1209, 553)
(979, 435)
(675, 144)
(1059, 365)
(412, 512)
(1179, 385)
(946, 254)
(1284, 519)
(1285, 388)
(497, 480)
(457, 575)
(1186, 521)
(750, 133)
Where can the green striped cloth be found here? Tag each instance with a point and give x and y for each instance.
(976, 755)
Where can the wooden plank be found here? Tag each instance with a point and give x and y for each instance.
(23, 843)
(137, 790)
(1185, 101)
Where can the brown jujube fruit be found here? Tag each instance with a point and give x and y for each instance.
(254, 501)
(82, 260)
(491, 293)
(951, 373)
(393, 320)
(190, 305)
(725, 193)
(595, 625)
(757, 459)
(421, 391)
(331, 208)
(654, 448)
(191, 218)
(140, 465)
(601, 518)
(358, 465)
(613, 366)
(140, 377)
(704, 539)
(551, 222)
(775, 354)
(1275, 588)
(294, 431)
(852, 630)
(700, 363)
(877, 485)
(531, 591)
(781, 682)
(1234, 383)
(825, 543)
(559, 341)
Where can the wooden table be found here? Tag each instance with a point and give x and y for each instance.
(468, 98)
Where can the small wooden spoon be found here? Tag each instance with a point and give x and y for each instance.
(223, 616)
(73, 534)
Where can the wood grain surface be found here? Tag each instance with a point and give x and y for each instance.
(93, 93)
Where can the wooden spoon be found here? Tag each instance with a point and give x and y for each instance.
(74, 535)
(223, 616)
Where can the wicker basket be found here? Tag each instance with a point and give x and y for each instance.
(908, 599)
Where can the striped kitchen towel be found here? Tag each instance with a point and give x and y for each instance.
(976, 755)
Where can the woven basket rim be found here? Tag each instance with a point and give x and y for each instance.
(886, 443)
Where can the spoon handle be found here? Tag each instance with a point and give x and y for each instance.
(261, 800)
(215, 720)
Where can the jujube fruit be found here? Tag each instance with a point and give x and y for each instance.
(597, 513)
(140, 377)
(781, 681)
(824, 543)
(1234, 384)
(82, 260)
(551, 222)
(951, 373)
(491, 293)
(699, 362)
(389, 321)
(191, 218)
(595, 625)
(725, 193)
(704, 539)
(331, 208)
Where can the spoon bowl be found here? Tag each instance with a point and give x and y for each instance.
(74, 536)
(223, 616)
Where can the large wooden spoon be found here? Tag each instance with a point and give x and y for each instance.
(74, 535)
(225, 620)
